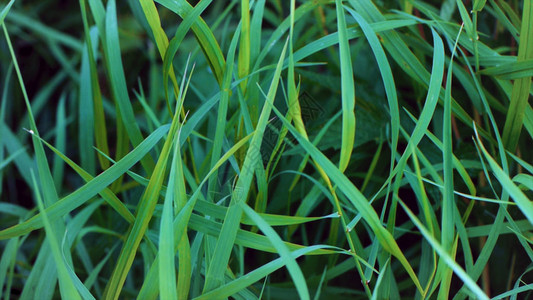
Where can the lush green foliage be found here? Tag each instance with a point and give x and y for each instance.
(266, 149)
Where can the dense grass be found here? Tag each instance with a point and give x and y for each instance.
(266, 149)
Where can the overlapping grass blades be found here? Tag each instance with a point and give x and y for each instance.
(261, 187)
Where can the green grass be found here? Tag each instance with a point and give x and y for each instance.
(266, 149)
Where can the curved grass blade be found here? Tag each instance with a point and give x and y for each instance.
(5, 11)
(386, 75)
(203, 34)
(347, 90)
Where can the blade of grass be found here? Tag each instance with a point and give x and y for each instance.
(294, 270)
(448, 202)
(234, 286)
(167, 268)
(5, 11)
(95, 114)
(347, 90)
(66, 285)
(215, 271)
(203, 34)
(356, 199)
(386, 75)
(520, 95)
(445, 256)
(86, 112)
(149, 289)
(244, 44)
(221, 120)
(58, 168)
(118, 82)
(144, 211)
(525, 204)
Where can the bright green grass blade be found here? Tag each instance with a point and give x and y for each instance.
(244, 44)
(294, 270)
(152, 16)
(469, 26)
(347, 90)
(525, 204)
(295, 112)
(89, 190)
(5, 10)
(203, 34)
(478, 5)
(215, 271)
(86, 111)
(95, 114)
(519, 97)
(524, 164)
(255, 48)
(180, 200)
(66, 285)
(445, 256)
(161, 40)
(118, 82)
(167, 268)
(448, 201)
(175, 43)
(386, 75)
(524, 179)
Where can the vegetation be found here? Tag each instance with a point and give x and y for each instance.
(266, 149)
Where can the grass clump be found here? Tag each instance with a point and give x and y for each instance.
(266, 149)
